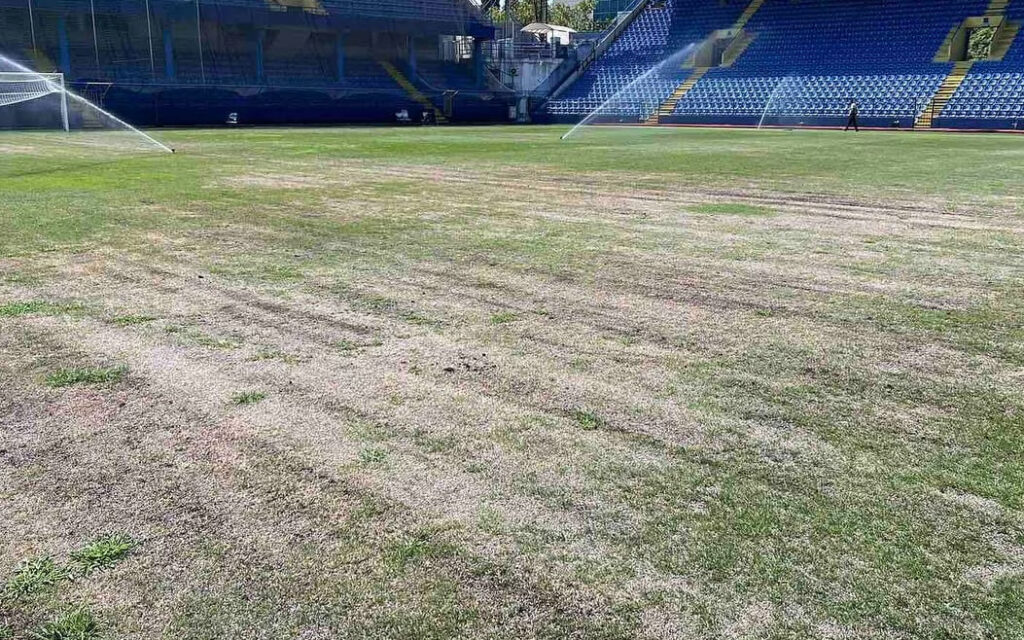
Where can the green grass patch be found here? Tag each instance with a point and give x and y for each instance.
(732, 209)
(34, 576)
(36, 307)
(103, 552)
(77, 624)
(197, 337)
(206, 340)
(587, 420)
(503, 317)
(415, 548)
(416, 318)
(373, 455)
(69, 377)
(131, 320)
(247, 397)
(346, 346)
(274, 354)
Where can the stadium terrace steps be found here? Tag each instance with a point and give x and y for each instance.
(411, 89)
(1004, 39)
(743, 38)
(943, 54)
(749, 13)
(736, 49)
(617, 86)
(996, 8)
(945, 93)
(669, 106)
(1006, 33)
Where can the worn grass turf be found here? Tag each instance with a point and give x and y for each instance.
(644, 383)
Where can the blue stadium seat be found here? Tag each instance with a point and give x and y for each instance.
(807, 61)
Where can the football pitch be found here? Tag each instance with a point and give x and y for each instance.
(479, 383)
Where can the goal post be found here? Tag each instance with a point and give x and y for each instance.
(20, 88)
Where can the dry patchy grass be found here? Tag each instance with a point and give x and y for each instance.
(497, 402)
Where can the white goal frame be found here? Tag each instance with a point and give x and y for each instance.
(44, 84)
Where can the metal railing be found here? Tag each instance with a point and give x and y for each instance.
(502, 50)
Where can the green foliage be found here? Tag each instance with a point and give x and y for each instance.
(68, 377)
(980, 43)
(34, 576)
(77, 624)
(503, 317)
(521, 12)
(103, 552)
(579, 16)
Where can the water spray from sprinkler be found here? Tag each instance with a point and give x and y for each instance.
(676, 58)
(77, 98)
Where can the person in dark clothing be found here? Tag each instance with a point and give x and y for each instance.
(852, 119)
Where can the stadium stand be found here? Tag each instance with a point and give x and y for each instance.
(789, 62)
(268, 61)
(992, 93)
(661, 30)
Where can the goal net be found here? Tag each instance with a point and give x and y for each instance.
(40, 114)
(33, 101)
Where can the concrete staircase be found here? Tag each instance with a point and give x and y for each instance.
(943, 53)
(995, 15)
(996, 8)
(1006, 33)
(736, 49)
(1003, 41)
(742, 39)
(740, 43)
(751, 10)
(670, 103)
(943, 95)
(411, 89)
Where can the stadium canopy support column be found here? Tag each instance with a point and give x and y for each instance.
(168, 52)
(64, 46)
(261, 37)
(32, 25)
(339, 53)
(95, 38)
(478, 61)
(199, 40)
(149, 41)
(410, 43)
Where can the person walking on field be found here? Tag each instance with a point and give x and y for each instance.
(852, 120)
